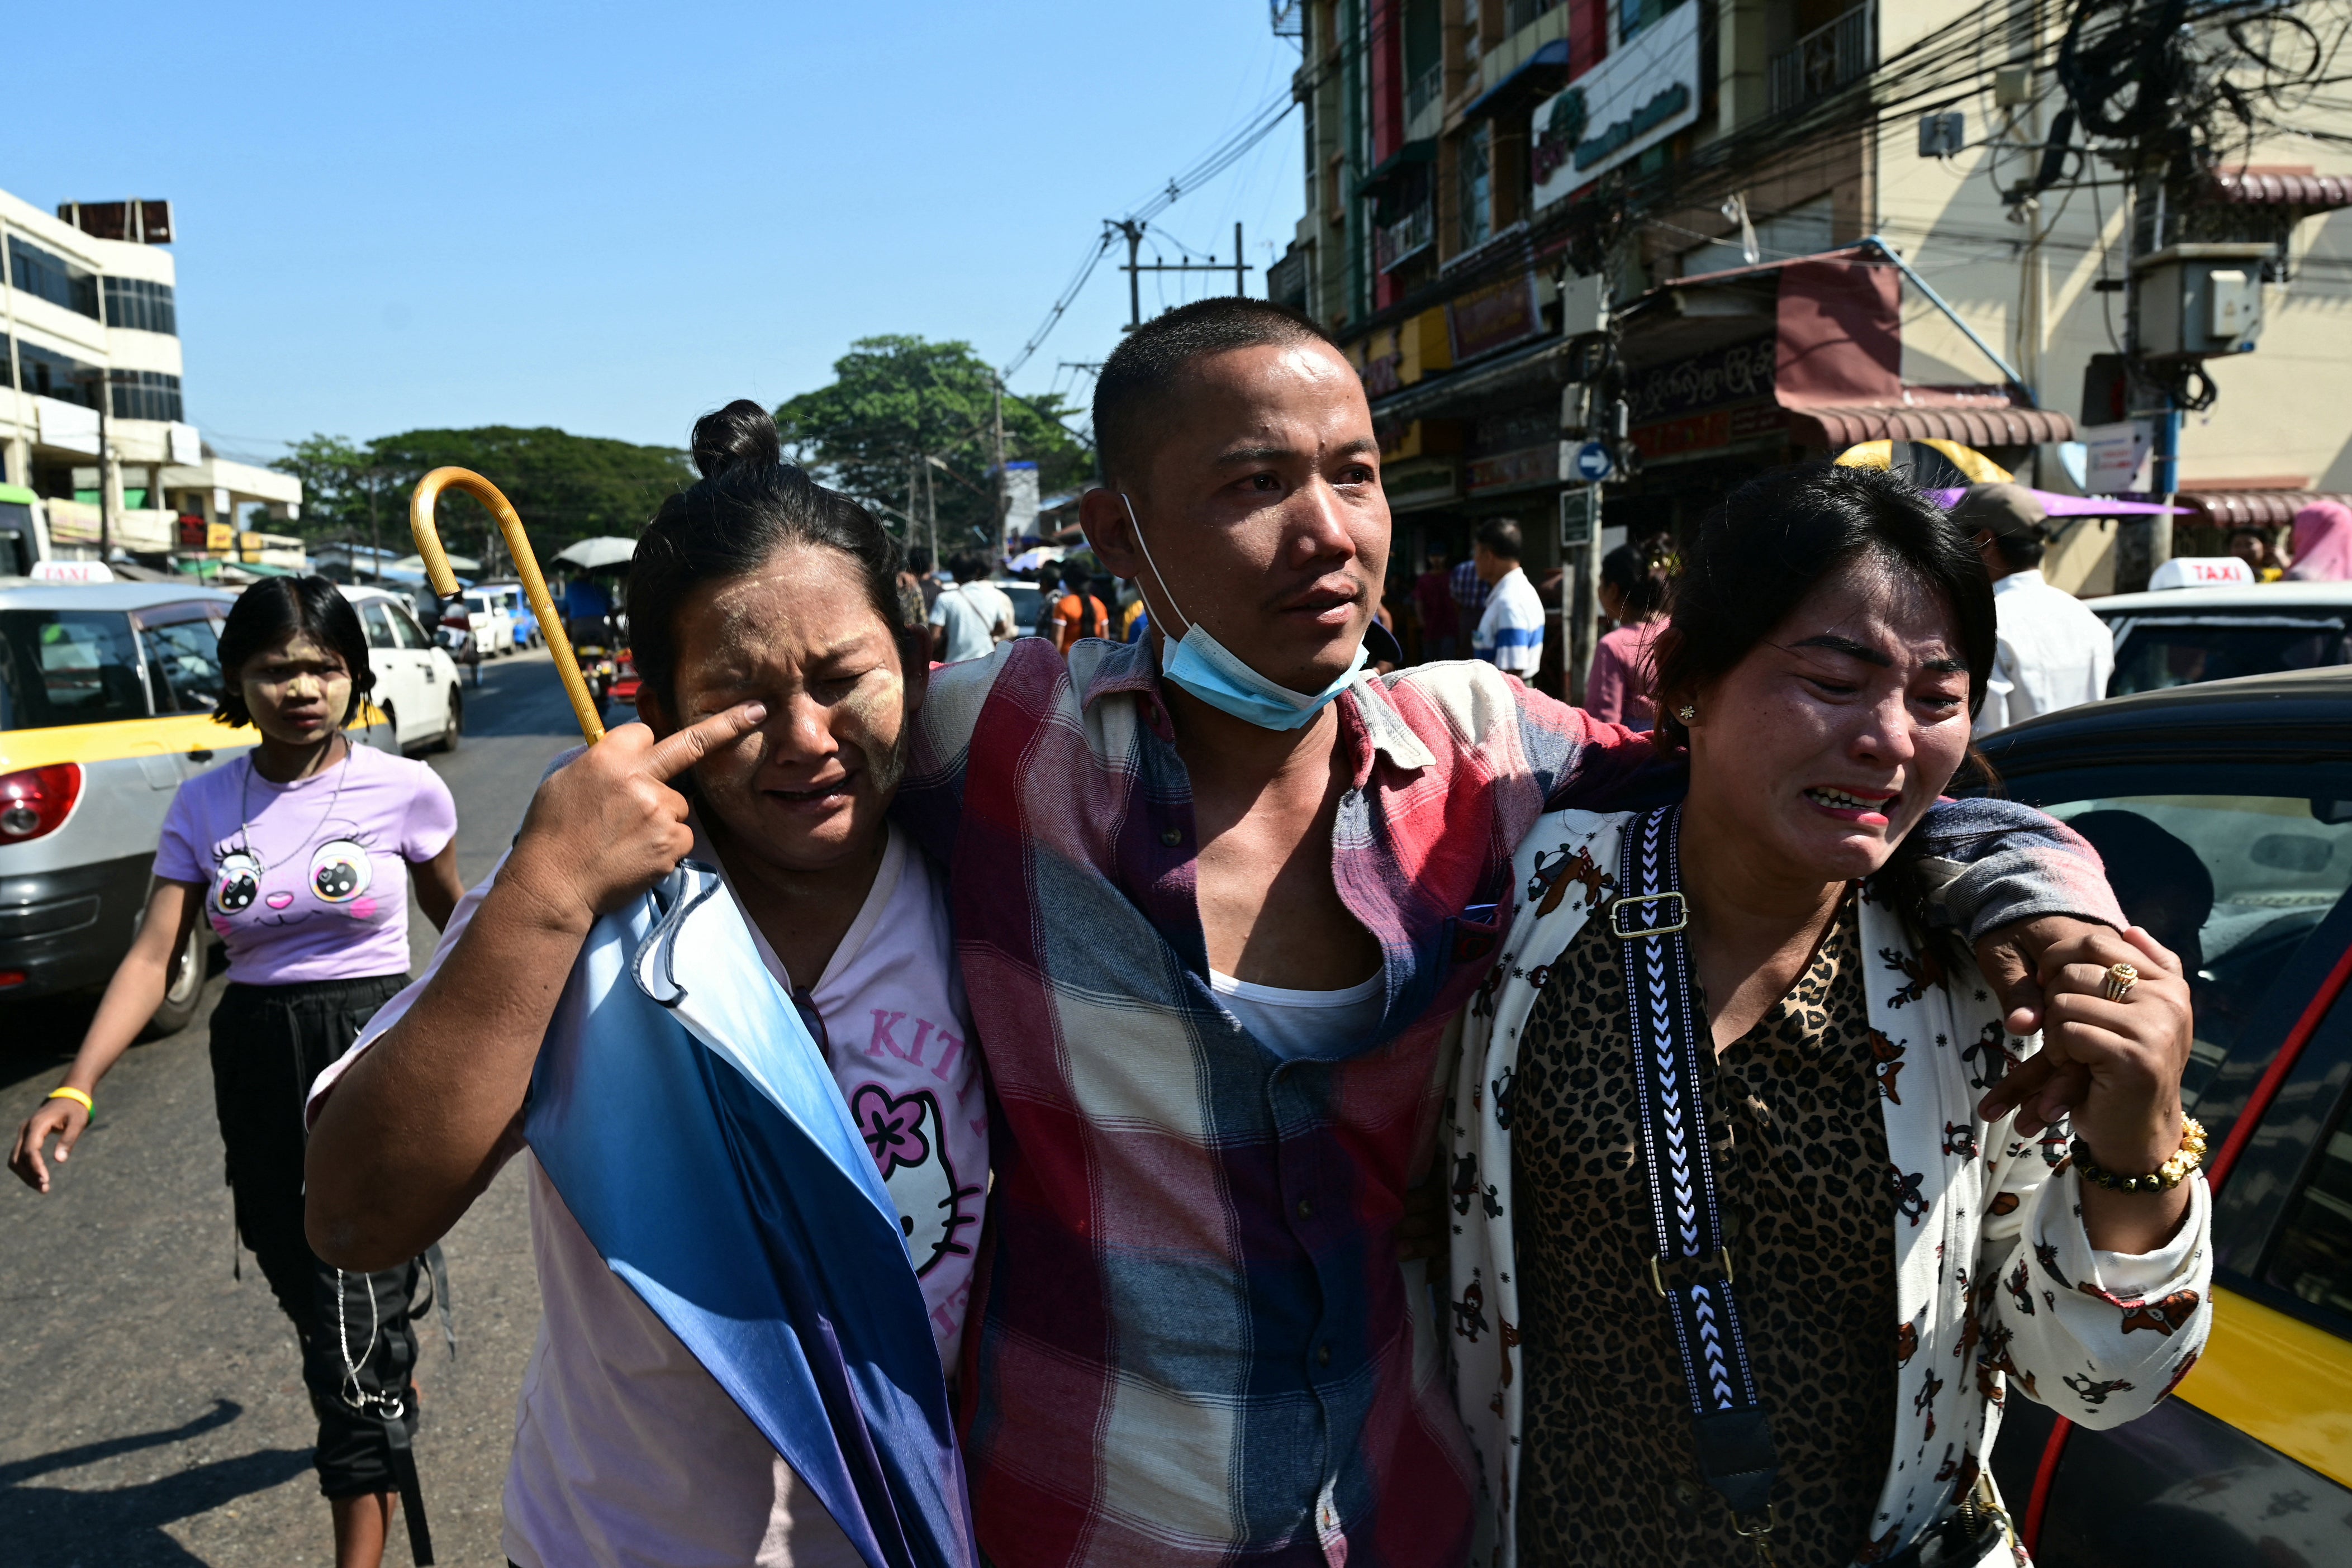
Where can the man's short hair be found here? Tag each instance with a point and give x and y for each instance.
(1148, 365)
(919, 560)
(1500, 535)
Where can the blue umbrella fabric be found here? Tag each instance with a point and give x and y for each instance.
(690, 1125)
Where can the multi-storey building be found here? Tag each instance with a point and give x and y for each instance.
(1774, 228)
(92, 418)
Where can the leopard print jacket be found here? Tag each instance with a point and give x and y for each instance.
(1994, 1286)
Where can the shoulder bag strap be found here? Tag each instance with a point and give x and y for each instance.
(1649, 920)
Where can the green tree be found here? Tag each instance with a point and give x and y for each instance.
(895, 398)
(336, 480)
(564, 487)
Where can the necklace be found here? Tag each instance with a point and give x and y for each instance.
(245, 812)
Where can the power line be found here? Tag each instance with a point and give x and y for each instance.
(1236, 145)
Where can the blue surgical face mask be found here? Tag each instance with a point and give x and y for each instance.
(1209, 670)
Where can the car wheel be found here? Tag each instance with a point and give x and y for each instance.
(455, 730)
(187, 986)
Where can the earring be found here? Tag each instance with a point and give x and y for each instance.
(1686, 712)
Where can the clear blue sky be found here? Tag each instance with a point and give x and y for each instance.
(610, 219)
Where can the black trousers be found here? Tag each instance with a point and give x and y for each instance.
(269, 1043)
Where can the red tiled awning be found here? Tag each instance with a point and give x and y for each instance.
(2283, 188)
(2252, 508)
(1840, 426)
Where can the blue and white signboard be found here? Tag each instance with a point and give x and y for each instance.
(1592, 463)
(1639, 96)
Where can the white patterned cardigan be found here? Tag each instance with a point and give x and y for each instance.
(2097, 1336)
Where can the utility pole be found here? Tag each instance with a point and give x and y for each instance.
(375, 541)
(1003, 496)
(105, 470)
(1135, 269)
(932, 507)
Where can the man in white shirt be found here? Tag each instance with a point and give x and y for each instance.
(2054, 652)
(970, 617)
(1510, 634)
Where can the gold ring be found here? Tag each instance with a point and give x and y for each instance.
(2121, 978)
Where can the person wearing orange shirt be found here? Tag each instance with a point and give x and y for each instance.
(1077, 613)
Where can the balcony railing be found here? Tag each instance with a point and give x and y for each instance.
(1517, 13)
(1825, 60)
(1406, 239)
(1424, 90)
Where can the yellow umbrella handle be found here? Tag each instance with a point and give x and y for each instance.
(534, 586)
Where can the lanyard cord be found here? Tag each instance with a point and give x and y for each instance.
(244, 813)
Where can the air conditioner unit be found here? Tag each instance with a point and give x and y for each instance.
(2201, 300)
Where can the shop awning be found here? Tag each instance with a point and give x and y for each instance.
(1421, 152)
(1540, 75)
(2283, 188)
(2253, 509)
(1978, 424)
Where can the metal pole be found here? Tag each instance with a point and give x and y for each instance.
(1004, 488)
(2008, 370)
(105, 464)
(1240, 287)
(1134, 232)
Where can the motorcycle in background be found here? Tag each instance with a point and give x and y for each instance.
(456, 638)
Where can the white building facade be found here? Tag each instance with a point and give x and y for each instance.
(93, 417)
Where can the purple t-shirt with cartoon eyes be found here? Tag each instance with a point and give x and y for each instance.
(309, 881)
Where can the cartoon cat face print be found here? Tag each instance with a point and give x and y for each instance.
(935, 1209)
(335, 876)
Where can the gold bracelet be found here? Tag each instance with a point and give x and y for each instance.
(64, 1093)
(2164, 1178)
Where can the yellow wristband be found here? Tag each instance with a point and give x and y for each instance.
(62, 1092)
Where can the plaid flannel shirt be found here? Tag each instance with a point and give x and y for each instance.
(1191, 1341)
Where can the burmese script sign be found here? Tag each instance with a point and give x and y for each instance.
(1712, 399)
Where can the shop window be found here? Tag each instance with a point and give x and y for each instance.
(1474, 200)
(46, 275)
(141, 306)
(49, 373)
(145, 395)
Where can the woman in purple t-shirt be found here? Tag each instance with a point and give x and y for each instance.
(299, 854)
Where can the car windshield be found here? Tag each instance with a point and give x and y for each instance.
(2154, 654)
(2232, 883)
(67, 667)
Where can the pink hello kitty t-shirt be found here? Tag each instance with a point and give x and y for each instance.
(309, 881)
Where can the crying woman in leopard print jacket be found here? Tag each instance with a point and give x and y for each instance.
(1905, 1259)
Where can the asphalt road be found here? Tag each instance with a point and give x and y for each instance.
(151, 1409)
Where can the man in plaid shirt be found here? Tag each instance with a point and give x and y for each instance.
(1192, 1341)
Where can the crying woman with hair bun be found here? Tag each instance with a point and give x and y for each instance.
(710, 990)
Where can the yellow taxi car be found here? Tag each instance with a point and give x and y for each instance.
(107, 693)
(2223, 812)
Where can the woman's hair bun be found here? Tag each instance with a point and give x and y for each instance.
(740, 435)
